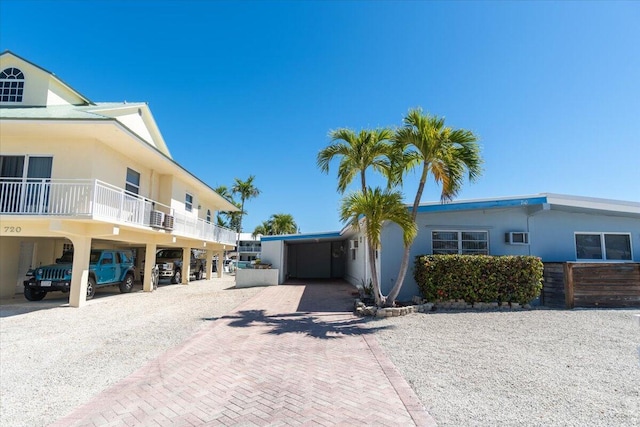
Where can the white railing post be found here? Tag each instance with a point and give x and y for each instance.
(41, 196)
(94, 198)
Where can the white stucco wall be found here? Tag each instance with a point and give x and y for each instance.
(82, 159)
(134, 122)
(40, 88)
(256, 277)
(273, 253)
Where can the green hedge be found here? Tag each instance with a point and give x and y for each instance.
(479, 278)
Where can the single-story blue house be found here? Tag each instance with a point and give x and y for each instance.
(556, 228)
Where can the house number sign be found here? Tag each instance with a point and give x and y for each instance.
(12, 229)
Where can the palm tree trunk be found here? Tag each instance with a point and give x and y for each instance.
(404, 265)
(379, 298)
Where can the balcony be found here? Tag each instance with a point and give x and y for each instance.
(250, 248)
(94, 199)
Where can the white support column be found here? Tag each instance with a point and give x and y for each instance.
(80, 270)
(149, 263)
(209, 264)
(220, 263)
(186, 265)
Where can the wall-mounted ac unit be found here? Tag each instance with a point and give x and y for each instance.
(517, 238)
(168, 222)
(156, 218)
(353, 244)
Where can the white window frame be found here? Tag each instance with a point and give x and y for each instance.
(512, 241)
(25, 165)
(25, 197)
(188, 202)
(461, 251)
(132, 184)
(603, 246)
(14, 82)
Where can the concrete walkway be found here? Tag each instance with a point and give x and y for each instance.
(291, 355)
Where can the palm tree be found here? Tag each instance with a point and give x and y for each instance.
(445, 153)
(223, 191)
(235, 217)
(377, 207)
(263, 229)
(277, 224)
(283, 224)
(247, 191)
(368, 148)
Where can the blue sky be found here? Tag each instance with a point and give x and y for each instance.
(552, 89)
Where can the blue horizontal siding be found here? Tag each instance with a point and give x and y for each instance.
(332, 234)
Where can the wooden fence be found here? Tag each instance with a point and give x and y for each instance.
(573, 284)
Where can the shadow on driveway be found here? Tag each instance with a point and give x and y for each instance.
(302, 323)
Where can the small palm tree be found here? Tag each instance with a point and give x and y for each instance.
(247, 191)
(447, 154)
(283, 224)
(377, 207)
(263, 229)
(358, 152)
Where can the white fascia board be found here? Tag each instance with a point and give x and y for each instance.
(147, 117)
(621, 206)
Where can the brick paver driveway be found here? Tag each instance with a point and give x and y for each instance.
(292, 355)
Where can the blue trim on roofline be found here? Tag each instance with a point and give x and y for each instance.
(301, 236)
(487, 204)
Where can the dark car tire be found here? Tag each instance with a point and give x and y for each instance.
(126, 285)
(91, 288)
(177, 277)
(34, 294)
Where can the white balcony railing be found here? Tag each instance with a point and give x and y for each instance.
(98, 200)
(250, 248)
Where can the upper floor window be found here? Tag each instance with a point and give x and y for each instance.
(208, 215)
(24, 183)
(188, 202)
(460, 242)
(603, 246)
(133, 182)
(11, 85)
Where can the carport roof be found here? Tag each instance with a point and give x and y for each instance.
(311, 237)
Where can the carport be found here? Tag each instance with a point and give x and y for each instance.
(38, 243)
(309, 256)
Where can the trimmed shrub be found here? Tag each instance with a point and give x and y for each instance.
(479, 278)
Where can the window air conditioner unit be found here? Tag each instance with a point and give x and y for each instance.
(168, 222)
(156, 218)
(353, 244)
(517, 238)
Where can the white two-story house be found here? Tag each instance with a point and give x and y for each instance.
(76, 174)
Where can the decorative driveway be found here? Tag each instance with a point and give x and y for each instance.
(292, 355)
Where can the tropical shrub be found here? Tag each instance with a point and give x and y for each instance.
(479, 278)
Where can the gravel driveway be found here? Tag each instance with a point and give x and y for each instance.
(54, 358)
(533, 368)
(538, 367)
